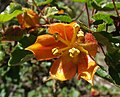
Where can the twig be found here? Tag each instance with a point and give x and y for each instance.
(88, 15)
(83, 9)
(36, 5)
(115, 7)
(93, 11)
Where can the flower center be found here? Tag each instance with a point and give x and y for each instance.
(74, 46)
(73, 52)
(59, 51)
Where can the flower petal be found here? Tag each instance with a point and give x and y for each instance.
(87, 68)
(91, 44)
(42, 48)
(41, 52)
(64, 30)
(63, 69)
(46, 40)
(28, 19)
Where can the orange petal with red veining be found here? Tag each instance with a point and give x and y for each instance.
(91, 44)
(87, 68)
(63, 69)
(64, 30)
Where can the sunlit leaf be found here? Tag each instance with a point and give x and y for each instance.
(101, 27)
(110, 6)
(13, 7)
(103, 16)
(105, 6)
(6, 17)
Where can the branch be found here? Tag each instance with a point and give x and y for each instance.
(87, 14)
(115, 7)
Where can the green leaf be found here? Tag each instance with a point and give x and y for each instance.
(63, 18)
(103, 74)
(95, 5)
(109, 6)
(84, 27)
(13, 73)
(103, 40)
(83, 1)
(103, 16)
(42, 2)
(110, 37)
(27, 40)
(14, 6)
(116, 39)
(113, 60)
(105, 6)
(19, 55)
(115, 74)
(2, 56)
(50, 11)
(6, 17)
(101, 27)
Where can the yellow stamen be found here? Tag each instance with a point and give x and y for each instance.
(75, 28)
(55, 51)
(74, 52)
(80, 34)
(80, 37)
(82, 49)
(58, 38)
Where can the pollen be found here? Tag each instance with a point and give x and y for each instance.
(55, 51)
(80, 34)
(74, 52)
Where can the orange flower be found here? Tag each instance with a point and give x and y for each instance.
(29, 19)
(71, 47)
